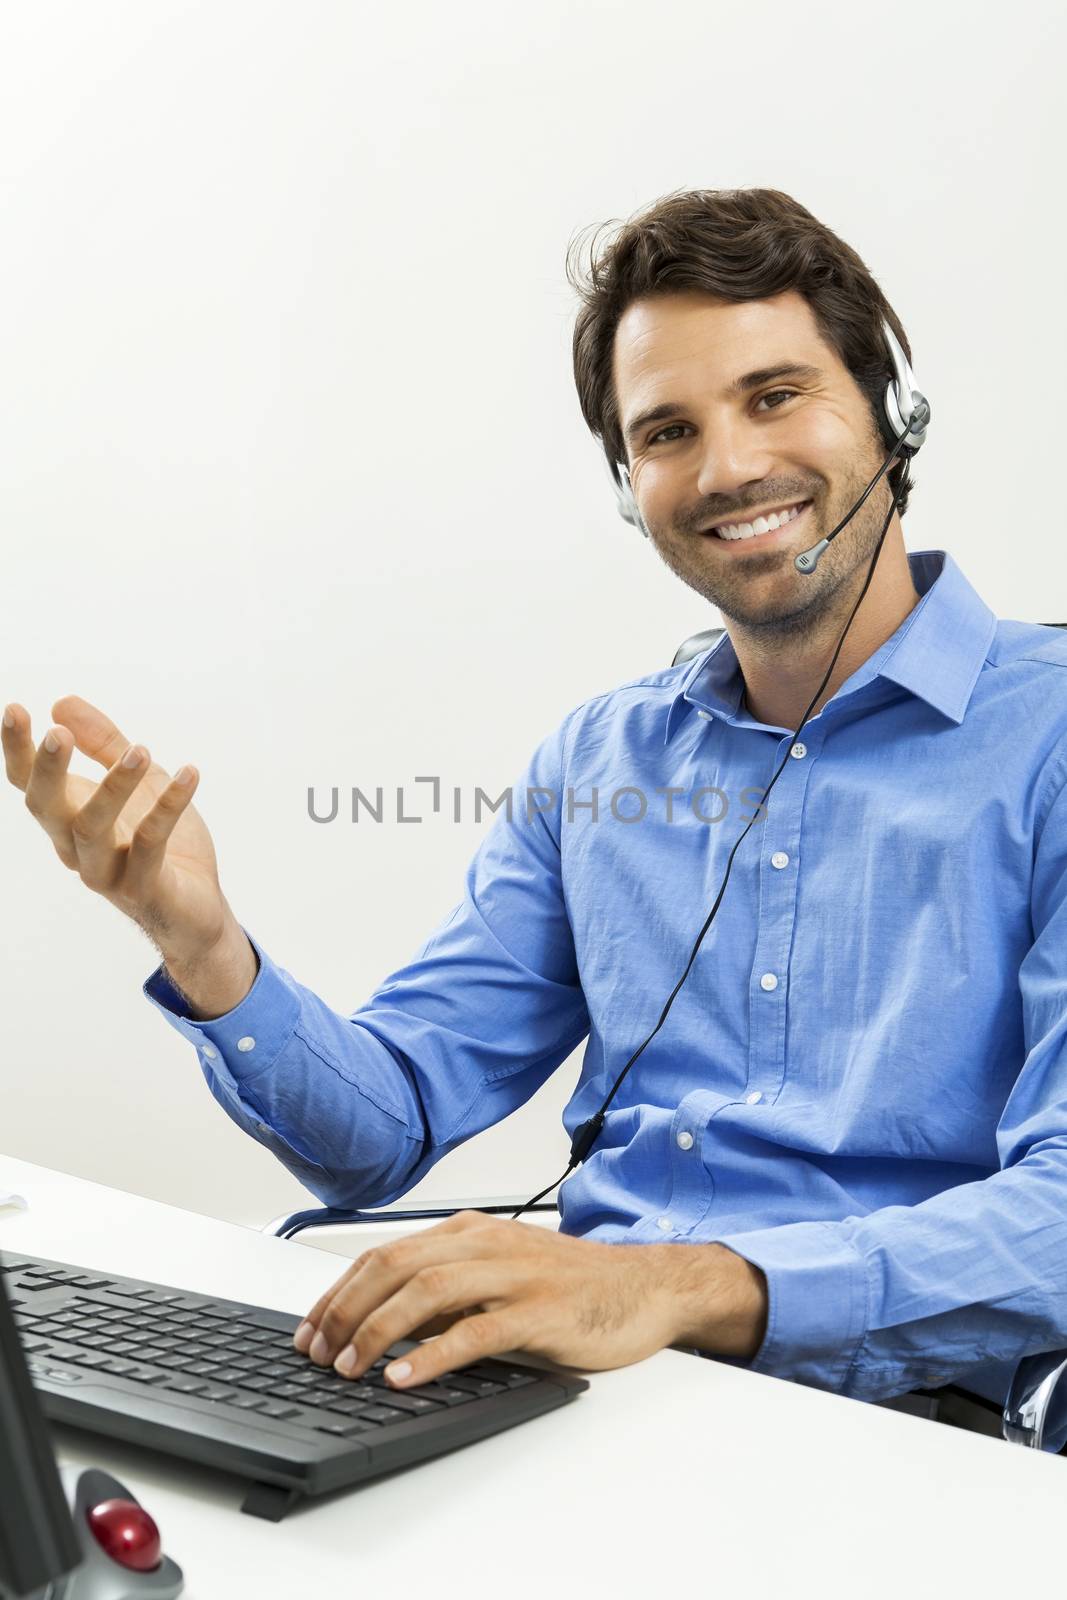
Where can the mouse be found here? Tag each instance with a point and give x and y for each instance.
(122, 1552)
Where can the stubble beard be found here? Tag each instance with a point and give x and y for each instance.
(798, 604)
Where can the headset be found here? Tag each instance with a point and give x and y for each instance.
(907, 412)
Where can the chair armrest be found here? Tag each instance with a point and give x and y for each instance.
(289, 1225)
(1035, 1412)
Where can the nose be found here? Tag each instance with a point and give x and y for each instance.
(732, 458)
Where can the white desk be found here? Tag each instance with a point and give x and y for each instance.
(676, 1475)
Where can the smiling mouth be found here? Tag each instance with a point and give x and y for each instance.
(759, 531)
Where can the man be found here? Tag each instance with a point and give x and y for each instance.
(844, 1153)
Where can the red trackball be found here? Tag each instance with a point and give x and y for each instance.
(127, 1534)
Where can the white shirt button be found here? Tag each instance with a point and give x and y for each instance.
(663, 1224)
(754, 1098)
(210, 1052)
(768, 981)
(685, 1141)
(779, 859)
(705, 714)
(799, 750)
(247, 1043)
(261, 1127)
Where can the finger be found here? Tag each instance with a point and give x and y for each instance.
(309, 1327)
(432, 1292)
(133, 868)
(471, 1339)
(92, 826)
(46, 788)
(148, 848)
(302, 1338)
(377, 1276)
(93, 731)
(18, 746)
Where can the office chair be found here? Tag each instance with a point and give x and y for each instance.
(1036, 1406)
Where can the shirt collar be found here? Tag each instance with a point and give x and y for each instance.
(936, 653)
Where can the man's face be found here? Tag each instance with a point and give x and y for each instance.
(721, 456)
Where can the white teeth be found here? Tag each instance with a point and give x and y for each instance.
(749, 530)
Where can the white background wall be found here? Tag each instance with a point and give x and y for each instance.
(293, 479)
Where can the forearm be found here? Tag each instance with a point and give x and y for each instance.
(722, 1300)
(220, 980)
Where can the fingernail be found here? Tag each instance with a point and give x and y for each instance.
(9, 721)
(51, 743)
(132, 758)
(320, 1350)
(303, 1337)
(346, 1361)
(399, 1372)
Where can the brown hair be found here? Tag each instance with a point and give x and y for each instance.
(737, 244)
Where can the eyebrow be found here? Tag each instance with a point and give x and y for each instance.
(751, 380)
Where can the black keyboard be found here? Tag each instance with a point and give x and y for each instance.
(219, 1382)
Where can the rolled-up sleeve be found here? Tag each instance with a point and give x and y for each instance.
(910, 1296)
(360, 1108)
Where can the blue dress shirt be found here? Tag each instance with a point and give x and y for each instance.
(861, 1087)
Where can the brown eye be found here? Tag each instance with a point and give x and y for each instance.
(773, 394)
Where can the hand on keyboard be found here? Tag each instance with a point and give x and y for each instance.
(498, 1285)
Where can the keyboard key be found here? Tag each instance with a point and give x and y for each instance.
(345, 1408)
(359, 1393)
(475, 1386)
(383, 1414)
(343, 1430)
(173, 1363)
(441, 1393)
(183, 1384)
(217, 1391)
(279, 1409)
(413, 1404)
(86, 1358)
(247, 1402)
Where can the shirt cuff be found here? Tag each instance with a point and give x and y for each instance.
(236, 1048)
(817, 1301)
(245, 1041)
